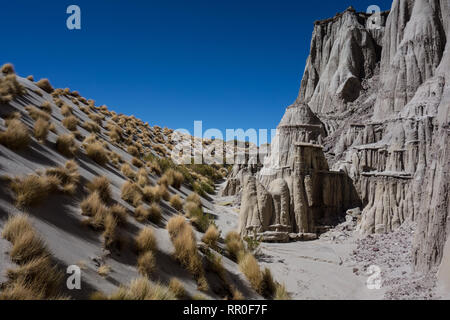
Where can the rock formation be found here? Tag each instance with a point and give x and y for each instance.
(377, 99)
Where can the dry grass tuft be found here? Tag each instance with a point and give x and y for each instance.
(281, 293)
(10, 88)
(66, 110)
(127, 171)
(120, 213)
(66, 145)
(70, 122)
(137, 163)
(145, 240)
(194, 197)
(177, 288)
(16, 136)
(46, 107)
(41, 128)
(154, 213)
(131, 193)
(110, 227)
(132, 150)
(92, 206)
(102, 186)
(211, 236)
(16, 226)
(97, 152)
(92, 127)
(33, 189)
(36, 277)
(142, 289)
(185, 244)
(141, 213)
(176, 202)
(45, 85)
(152, 194)
(146, 263)
(36, 113)
(103, 270)
(172, 178)
(234, 244)
(67, 175)
(250, 268)
(8, 68)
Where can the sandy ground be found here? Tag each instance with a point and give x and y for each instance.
(341, 265)
(320, 269)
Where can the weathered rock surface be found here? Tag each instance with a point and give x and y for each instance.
(378, 101)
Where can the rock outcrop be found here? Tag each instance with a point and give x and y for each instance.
(377, 99)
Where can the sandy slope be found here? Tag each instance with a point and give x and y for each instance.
(59, 218)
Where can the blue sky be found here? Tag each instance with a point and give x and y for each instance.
(231, 64)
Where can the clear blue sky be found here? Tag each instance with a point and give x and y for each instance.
(231, 64)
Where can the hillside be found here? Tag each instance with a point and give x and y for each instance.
(94, 185)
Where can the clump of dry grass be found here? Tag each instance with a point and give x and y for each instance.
(250, 268)
(154, 213)
(146, 263)
(131, 193)
(109, 232)
(185, 244)
(211, 236)
(132, 150)
(36, 277)
(46, 107)
(234, 244)
(93, 207)
(142, 177)
(66, 145)
(195, 198)
(146, 240)
(36, 113)
(152, 194)
(103, 270)
(16, 226)
(45, 85)
(41, 128)
(10, 88)
(172, 178)
(102, 186)
(127, 171)
(70, 122)
(8, 68)
(142, 289)
(66, 110)
(120, 213)
(33, 189)
(16, 136)
(141, 213)
(176, 202)
(281, 293)
(177, 288)
(115, 134)
(67, 175)
(92, 127)
(199, 218)
(97, 152)
(96, 118)
(137, 163)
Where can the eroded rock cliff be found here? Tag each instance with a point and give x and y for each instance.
(377, 99)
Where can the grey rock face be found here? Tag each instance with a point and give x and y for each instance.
(344, 51)
(378, 101)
